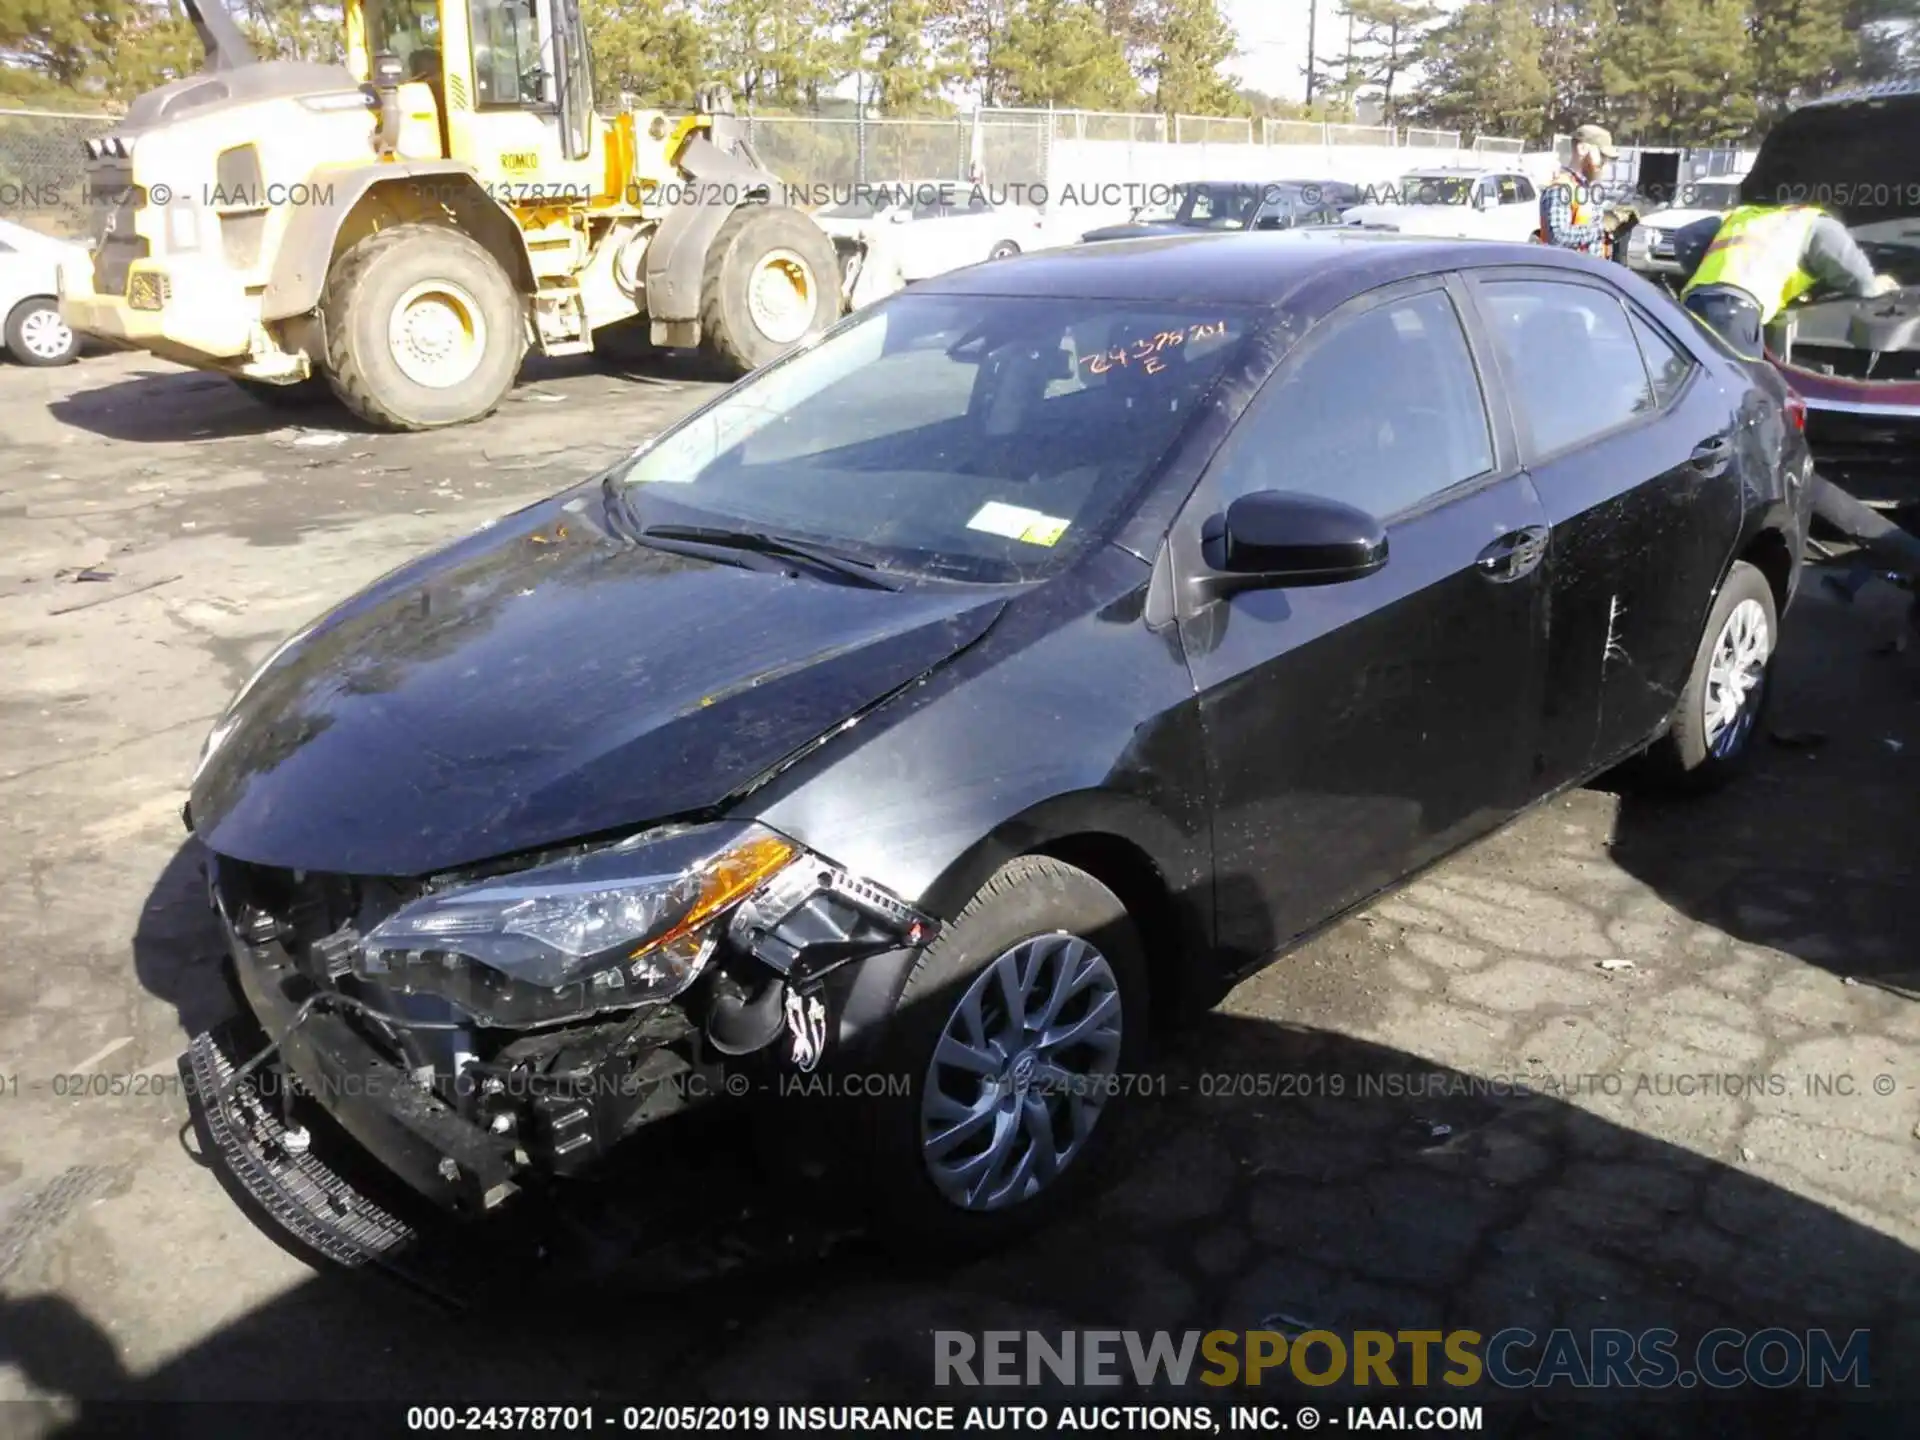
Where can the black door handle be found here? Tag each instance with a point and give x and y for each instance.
(1711, 455)
(1514, 554)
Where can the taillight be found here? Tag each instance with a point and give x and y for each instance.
(1796, 411)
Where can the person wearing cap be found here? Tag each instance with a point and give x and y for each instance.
(1756, 260)
(1571, 215)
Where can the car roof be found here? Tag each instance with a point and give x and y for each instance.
(1255, 268)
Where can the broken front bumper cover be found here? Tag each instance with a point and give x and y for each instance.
(535, 1104)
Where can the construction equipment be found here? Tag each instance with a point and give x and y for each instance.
(404, 229)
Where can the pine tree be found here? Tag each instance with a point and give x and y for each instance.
(1387, 40)
(1192, 40)
(1060, 53)
(1483, 73)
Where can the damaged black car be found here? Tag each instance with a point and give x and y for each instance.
(1005, 673)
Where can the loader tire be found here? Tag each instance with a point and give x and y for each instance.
(793, 264)
(460, 322)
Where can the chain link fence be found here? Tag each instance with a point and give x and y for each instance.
(1497, 145)
(41, 169)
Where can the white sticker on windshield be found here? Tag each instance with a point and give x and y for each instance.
(1016, 522)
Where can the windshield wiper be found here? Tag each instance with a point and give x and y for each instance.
(762, 543)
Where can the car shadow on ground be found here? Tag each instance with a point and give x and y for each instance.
(1816, 852)
(172, 407)
(1276, 1177)
(1383, 1193)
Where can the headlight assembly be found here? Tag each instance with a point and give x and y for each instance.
(628, 925)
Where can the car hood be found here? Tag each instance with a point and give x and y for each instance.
(545, 681)
(1855, 158)
(1415, 219)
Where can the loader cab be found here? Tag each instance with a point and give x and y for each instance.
(510, 81)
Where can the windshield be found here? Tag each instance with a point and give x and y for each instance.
(409, 29)
(1716, 195)
(977, 438)
(1206, 207)
(1436, 190)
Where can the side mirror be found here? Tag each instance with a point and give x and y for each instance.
(1482, 200)
(1273, 538)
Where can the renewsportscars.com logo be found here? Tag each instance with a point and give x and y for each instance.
(1512, 1359)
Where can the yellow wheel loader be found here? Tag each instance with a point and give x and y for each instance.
(403, 229)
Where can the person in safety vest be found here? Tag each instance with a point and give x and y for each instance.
(1764, 257)
(1572, 213)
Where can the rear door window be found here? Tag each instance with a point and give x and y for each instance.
(1667, 363)
(1573, 367)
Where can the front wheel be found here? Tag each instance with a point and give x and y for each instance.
(1005, 250)
(1725, 699)
(424, 328)
(771, 281)
(38, 336)
(1017, 1036)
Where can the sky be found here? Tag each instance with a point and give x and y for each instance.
(1273, 41)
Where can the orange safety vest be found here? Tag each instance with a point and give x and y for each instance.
(1582, 211)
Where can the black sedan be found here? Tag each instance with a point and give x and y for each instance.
(975, 688)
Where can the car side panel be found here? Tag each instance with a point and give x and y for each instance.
(1072, 716)
(1640, 540)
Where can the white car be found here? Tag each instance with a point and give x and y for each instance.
(933, 226)
(30, 265)
(1454, 201)
(1650, 243)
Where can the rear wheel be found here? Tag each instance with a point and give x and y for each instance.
(1725, 699)
(771, 281)
(1006, 249)
(424, 328)
(38, 336)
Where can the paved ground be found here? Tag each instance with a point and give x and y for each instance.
(1706, 1140)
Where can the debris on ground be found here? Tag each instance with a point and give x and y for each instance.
(1616, 965)
(311, 438)
(115, 595)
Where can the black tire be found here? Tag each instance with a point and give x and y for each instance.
(1682, 759)
(1005, 250)
(34, 310)
(306, 394)
(369, 281)
(729, 336)
(1028, 897)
